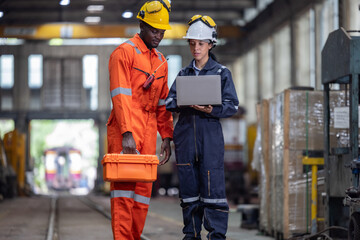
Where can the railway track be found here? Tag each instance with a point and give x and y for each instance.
(55, 227)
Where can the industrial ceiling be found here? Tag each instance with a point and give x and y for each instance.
(34, 12)
(49, 19)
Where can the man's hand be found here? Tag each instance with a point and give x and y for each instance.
(128, 143)
(205, 109)
(165, 147)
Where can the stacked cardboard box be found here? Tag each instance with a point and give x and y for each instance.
(292, 126)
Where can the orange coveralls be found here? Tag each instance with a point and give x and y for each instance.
(143, 113)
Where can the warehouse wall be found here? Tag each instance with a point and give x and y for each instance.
(284, 49)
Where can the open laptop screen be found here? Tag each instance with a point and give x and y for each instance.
(198, 90)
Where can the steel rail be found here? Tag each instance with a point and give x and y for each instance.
(51, 228)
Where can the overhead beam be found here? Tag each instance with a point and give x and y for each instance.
(38, 17)
(78, 31)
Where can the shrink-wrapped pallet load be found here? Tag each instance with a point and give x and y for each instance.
(291, 127)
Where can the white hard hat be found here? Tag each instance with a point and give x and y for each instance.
(201, 30)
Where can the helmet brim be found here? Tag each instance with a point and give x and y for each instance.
(156, 25)
(195, 38)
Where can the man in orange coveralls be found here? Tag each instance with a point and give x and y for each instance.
(138, 113)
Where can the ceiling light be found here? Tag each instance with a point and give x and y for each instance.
(92, 19)
(1, 14)
(64, 2)
(56, 42)
(95, 8)
(127, 14)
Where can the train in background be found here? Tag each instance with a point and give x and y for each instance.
(62, 168)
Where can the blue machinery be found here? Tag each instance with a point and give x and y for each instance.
(341, 66)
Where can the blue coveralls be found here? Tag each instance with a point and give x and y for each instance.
(199, 150)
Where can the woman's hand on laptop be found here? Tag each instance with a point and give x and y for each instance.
(205, 109)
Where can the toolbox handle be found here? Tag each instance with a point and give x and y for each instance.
(137, 151)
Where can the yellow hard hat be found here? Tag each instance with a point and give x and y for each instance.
(156, 14)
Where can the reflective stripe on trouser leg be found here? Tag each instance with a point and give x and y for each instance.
(122, 201)
(216, 209)
(140, 208)
(189, 194)
(214, 203)
(129, 208)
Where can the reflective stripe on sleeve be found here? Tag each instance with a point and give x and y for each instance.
(208, 200)
(132, 44)
(122, 193)
(120, 90)
(141, 199)
(227, 100)
(220, 69)
(193, 199)
(158, 53)
(168, 100)
(161, 102)
(137, 50)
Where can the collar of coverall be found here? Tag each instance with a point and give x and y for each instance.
(142, 46)
(211, 63)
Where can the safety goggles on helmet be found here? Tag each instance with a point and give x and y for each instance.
(156, 5)
(205, 19)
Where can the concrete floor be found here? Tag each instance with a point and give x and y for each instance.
(28, 218)
(167, 210)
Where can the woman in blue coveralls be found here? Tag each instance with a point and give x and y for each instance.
(198, 138)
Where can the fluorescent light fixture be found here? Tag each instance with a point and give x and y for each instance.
(92, 19)
(1, 14)
(64, 2)
(11, 41)
(95, 8)
(93, 41)
(56, 42)
(127, 14)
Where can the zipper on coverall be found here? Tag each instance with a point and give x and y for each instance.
(196, 154)
(196, 158)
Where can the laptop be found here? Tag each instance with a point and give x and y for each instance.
(198, 90)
